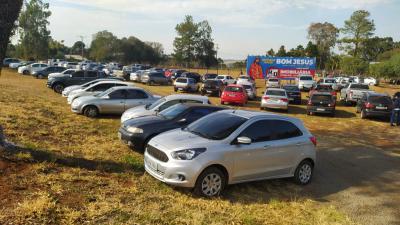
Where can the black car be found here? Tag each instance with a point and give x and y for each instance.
(321, 102)
(374, 105)
(209, 76)
(48, 70)
(294, 93)
(212, 87)
(58, 83)
(195, 76)
(177, 74)
(137, 132)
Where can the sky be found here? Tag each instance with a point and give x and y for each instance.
(240, 27)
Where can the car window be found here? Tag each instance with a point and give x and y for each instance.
(385, 100)
(234, 89)
(78, 74)
(102, 87)
(136, 94)
(190, 101)
(173, 112)
(321, 98)
(275, 92)
(35, 65)
(91, 74)
(270, 130)
(305, 78)
(118, 94)
(168, 104)
(217, 126)
(181, 80)
(197, 113)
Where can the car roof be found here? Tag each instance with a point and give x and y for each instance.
(113, 81)
(186, 96)
(275, 89)
(249, 114)
(128, 87)
(376, 94)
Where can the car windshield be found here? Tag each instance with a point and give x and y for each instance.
(385, 100)
(247, 87)
(323, 88)
(217, 126)
(220, 77)
(273, 80)
(233, 89)
(306, 78)
(156, 103)
(360, 86)
(173, 111)
(275, 92)
(291, 88)
(321, 98)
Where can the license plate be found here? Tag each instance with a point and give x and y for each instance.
(320, 109)
(380, 107)
(291, 99)
(231, 95)
(209, 91)
(152, 165)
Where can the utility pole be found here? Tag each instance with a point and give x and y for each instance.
(82, 38)
(216, 52)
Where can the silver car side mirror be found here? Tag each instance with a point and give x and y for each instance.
(105, 97)
(244, 140)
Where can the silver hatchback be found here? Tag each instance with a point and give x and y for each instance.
(232, 146)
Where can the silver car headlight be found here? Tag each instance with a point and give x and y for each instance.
(134, 130)
(187, 154)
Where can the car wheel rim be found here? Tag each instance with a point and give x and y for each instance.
(305, 173)
(91, 112)
(211, 184)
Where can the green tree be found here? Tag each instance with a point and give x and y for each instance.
(353, 65)
(281, 52)
(204, 46)
(78, 47)
(184, 43)
(358, 29)
(57, 49)
(34, 35)
(104, 46)
(389, 68)
(324, 36)
(311, 50)
(271, 52)
(299, 51)
(375, 46)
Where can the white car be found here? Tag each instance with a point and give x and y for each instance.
(162, 104)
(69, 89)
(29, 69)
(370, 81)
(250, 89)
(226, 79)
(15, 65)
(273, 83)
(306, 82)
(96, 88)
(275, 98)
(69, 71)
(244, 79)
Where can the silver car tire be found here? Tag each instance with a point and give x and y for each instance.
(210, 183)
(91, 111)
(304, 172)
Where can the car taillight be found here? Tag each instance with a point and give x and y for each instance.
(313, 140)
(369, 105)
(284, 99)
(333, 93)
(351, 93)
(266, 98)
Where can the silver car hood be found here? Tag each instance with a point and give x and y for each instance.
(178, 140)
(138, 111)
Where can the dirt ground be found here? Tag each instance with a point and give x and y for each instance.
(358, 167)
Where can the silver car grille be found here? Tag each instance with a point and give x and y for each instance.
(156, 153)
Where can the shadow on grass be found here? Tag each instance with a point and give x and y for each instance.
(130, 164)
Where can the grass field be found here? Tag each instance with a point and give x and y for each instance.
(72, 170)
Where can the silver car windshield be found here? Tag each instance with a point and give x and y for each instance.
(173, 111)
(216, 127)
(104, 93)
(155, 104)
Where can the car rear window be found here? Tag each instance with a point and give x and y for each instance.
(321, 98)
(330, 81)
(234, 89)
(360, 86)
(181, 80)
(275, 92)
(291, 88)
(273, 80)
(305, 78)
(380, 100)
(211, 82)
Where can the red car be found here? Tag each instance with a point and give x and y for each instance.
(234, 94)
(322, 88)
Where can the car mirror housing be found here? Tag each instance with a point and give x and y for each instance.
(244, 140)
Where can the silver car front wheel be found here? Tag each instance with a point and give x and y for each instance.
(210, 183)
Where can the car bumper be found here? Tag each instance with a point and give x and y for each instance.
(274, 105)
(376, 113)
(234, 101)
(305, 87)
(169, 172)
(76, 110)
(321, 109)
(294, 99)
(132, 140)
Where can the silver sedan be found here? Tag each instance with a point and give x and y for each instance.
(113, 101)
(232, 146)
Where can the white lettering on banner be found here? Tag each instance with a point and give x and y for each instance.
(295, 61)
